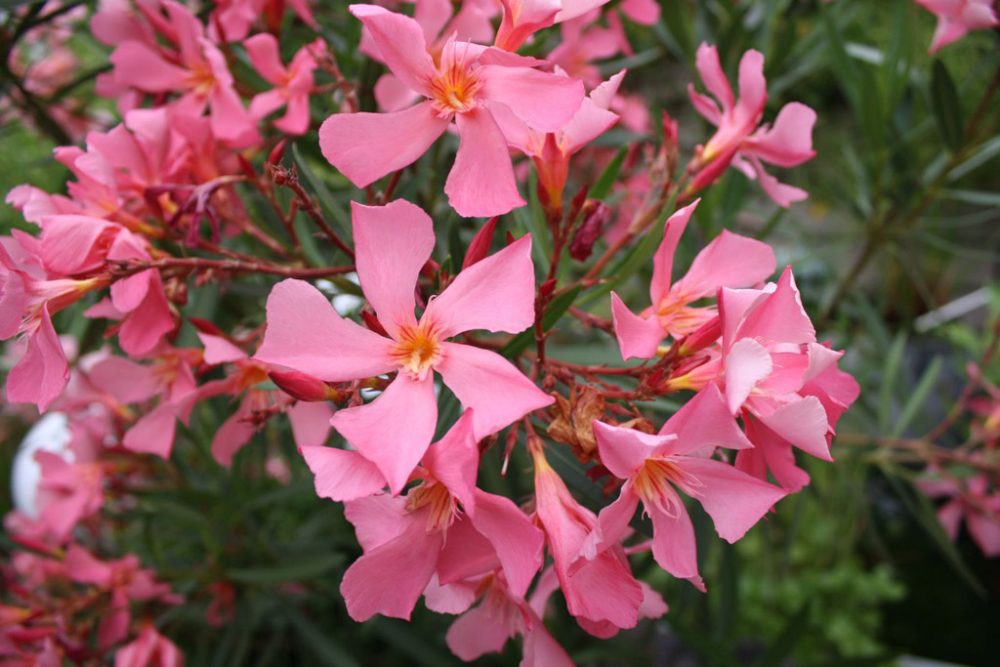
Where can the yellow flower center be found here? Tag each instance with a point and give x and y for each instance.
(438, 499)
(418, 350)
(454, 90)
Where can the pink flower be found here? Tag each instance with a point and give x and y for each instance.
(956, 18)
(738, 140)
(149, 649)
(601, 592)
(968, 498)
(551, 151)
(393, 243)
(678, 457)
(523, 18)
(729, 260)
(198, 70)
(292, 84)
(464, 84)
(444, 526)
(784, 384)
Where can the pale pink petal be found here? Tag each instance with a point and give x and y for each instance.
(710, 70)
(395, 429)
(233, 435)
(803, 424)
(219, 350)
(985, 532)
(782, 194)
(542, 650)
(674, 545)
(496, 293)
(704, 423)
(264, 103)
(735, 501)
(72, 244)
(946, 32)
(497, 392)
(305, 333)
(454, 461)
(517, 541)
(586, 125)
(544, 101)
(789, 142)
(729, 260)
(137, 65)
(266, 57)
(479, 631)
(950, 516)
(653, 605)
(124, 379)
(770, 452)
(296, 119)
(612, 524)
(392, 243)
(663, 260)
(604, 590)
(42, 373)
(481, 182)
(705, 105)
(780, 317)
(391, 94)
(377, 519)
(367, 146)
(154, 432)
(389, 579)
(753, 91)
(310, 422)
(467, 553)
(643, 12)
(453, 598)
(747, 363)
(342, 475)
(625, 450)
(401, 45)
(638, 337)
(143, 329)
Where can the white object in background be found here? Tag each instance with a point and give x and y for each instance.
(50, 434)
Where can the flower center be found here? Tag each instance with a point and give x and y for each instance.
(438, 499)
(454, 90)
(654, 482)
(417, 350)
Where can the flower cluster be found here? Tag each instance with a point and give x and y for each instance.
(445, 357)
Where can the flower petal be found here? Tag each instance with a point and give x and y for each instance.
(624, 450)
(401, 45)
(638, 337)
(674, 547)
(735, 500)
(544, 101)
(342, 475)
(42, 373)
(747, 363)
(730, 260)
(517, 541)
(663, 260)
(704, 422)
(481, 182)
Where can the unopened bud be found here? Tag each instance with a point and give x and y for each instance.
(479, 247)
(304, 387)
(597, 215)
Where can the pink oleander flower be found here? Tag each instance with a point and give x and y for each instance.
(392, 245)
(740, 139)
(552, 151)
(523, 18)
(464, 84)
(440, 23)
(584, 42)
(679, 457)
(444, 527)
(124, 580)
(783, 383)
(601, 592)
(310, 420)
(957, 18)
(292, 84)
(729, 260)
(970, 499)
(197, 70)
(149, 649)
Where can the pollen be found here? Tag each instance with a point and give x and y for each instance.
(418, 350)
(454, 90)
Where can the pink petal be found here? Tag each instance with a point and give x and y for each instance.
(481, 182)
(704, 422)
(392, 243)
(612, 524)
(454, 461)
(266, 57)
(542, 650)
(144, 328)
(803, 424)
(753, 90)
(747, 363)
(42, 373)
(139, 66)
(479, 631)
(735, 501)
(391, 94)
(985, 532)
(126, 380)
(604, 590)
(219, 350)
(729, 260)
(389, 579)
(497, 392)
(377, 520)
(395, 429)
(154, 432)
(638, 337)
(401, 45)
(296, 119)
(367, 146)
(305, 333)
(780, 316)
(233, 435)
(544, 101)
(674, 545)
(770, 452)
(310, 422)
(342, 475)
(586, 125)
(643, 12)
(496, 293)
(789, 142)
(710, 70)
(625, 450)
(663, 260)
(782, 194)
(72, 244)
(467, 553)
(517, 541)
(453, 598)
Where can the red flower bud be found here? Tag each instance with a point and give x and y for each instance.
(303, 387)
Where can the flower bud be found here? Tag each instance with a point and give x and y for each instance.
(303, 387)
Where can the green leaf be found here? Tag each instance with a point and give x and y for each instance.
(793, 632)
(602, 188)
(888, 382)
(324, 195)
(918, 397)
(946, 106)
(317, 640)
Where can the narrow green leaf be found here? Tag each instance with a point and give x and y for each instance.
(296, 570)
(888, 383)
(918, 397)
(793, 632)
(946, 106)
(318, 641)
(322, 193)
(602, 188)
